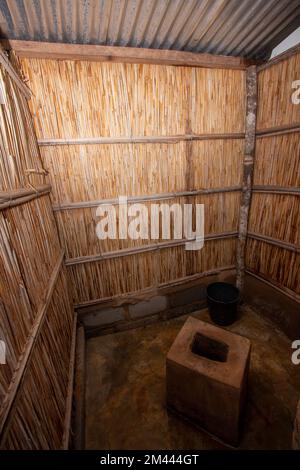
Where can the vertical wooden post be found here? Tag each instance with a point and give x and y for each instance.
(250, 125)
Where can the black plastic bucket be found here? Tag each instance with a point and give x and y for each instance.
(222, 299)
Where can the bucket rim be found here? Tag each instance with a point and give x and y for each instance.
(237, 291)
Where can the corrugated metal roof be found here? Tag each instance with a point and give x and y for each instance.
(250, 28)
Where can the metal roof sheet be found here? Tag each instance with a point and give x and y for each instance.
(249, 28)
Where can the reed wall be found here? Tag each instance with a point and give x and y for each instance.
(36, 317)
(182, 131)
(274, 214)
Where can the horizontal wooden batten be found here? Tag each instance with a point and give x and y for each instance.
(14, 198)
(9, 400)
(5, 62)
(276, 190)
(144, 249)
(50, 50)
(160, 139)
(68, 414)
(133, 297)
(284, 290)
(275, 242)
(280, 57)
(152, 197)
(278, 130)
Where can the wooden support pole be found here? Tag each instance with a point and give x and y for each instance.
(250, 125)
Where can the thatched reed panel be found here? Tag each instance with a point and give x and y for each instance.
(275, 106)
(215, 164)
(30, 249)
(93, 172)
(33, 324)
(78, 99)
(33, 240)
(147, 270)
(277, 165)
(277, 160)
(92, 99)
(37, 420)
(276, 216)
(111, 277)
(178, 262)
(77, 227)
(275, 264)
(214, 96)
(20, 163)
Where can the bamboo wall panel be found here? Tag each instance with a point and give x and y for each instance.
(145, 270)
(77, 227)
(29, 251)
(90, 99)
(276, 216)
(277, 161)
(275, 264)
(38, 417)
(18, 147)
(77, 99)
(93, 172)
(217, 101)
(91, 281)
(215, 254)
(275, 106)
(33, 392)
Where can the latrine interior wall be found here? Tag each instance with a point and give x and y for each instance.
(275, 207)
(36, 314)
(154, 133)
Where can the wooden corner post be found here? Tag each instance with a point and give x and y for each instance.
(250, 126)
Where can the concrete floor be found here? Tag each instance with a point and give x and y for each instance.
(125, 398)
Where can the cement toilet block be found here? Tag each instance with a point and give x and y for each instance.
(206, 378)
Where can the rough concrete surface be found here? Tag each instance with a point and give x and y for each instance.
(125, 395)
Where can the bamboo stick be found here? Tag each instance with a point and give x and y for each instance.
(251, 90)
(278, 130)
(269, 189)
(139, 139)
(153, 197)
(144, 249)
(273, 241)
(14, 198)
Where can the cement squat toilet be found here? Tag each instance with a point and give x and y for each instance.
(206, 378)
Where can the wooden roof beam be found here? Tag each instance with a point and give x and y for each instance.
(49, 50)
